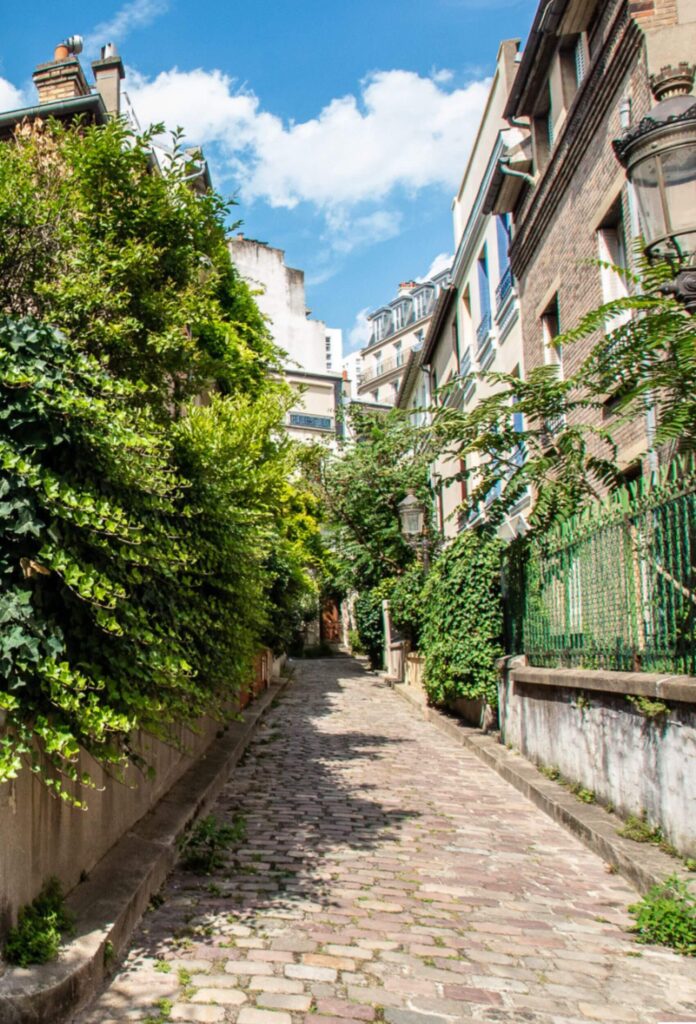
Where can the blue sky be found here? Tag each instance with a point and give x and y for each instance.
(342, 126)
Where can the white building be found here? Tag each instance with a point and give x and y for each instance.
(313, 350)
(352, 369)
(475, 325)
(397, 330)
(333, 349)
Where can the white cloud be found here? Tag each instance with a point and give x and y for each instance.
(133, 15)
(11, 98)
(443, 261)
(359, 334)
(403, 131)
(347, 231)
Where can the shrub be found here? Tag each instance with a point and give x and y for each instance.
(406, 603)
(37, 936)
(354, 642)
(667, 916)
(202, 848)
(368, 618)
(137, 528)
(463, 620)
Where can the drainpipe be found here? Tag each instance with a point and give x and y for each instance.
(506, 169)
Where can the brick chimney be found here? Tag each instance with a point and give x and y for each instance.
(108, 73)
(62, 78)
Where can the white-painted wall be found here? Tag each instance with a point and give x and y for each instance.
(279, 291)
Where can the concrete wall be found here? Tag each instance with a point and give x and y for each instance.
(582, 724)
(41, 835)
(279, 291)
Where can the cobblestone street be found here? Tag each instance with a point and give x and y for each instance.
(387, 874)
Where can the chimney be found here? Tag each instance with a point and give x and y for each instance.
(407, 286)
(108, 72)
(62, 78)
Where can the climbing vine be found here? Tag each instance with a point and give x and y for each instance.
(463, 620)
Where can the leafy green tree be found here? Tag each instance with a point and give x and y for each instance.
(144, 470)
(362, 486)
(559, 444)
(130, 263)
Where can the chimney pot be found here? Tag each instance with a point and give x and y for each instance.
(108, 72)
(62, 78)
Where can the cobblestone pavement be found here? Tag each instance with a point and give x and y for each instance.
(387, 874)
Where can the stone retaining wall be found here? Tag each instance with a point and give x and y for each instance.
(582, 723)
(42, 836)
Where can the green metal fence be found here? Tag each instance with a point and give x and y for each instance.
(614, 587)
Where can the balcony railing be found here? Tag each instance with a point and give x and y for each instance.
(301, 419)
(484, 329)
(504, 289)
(385, 366)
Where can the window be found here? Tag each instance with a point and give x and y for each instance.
(375, 395)
(502, 224)
(421, 304)
(398, 353)
(399, 317)
(395, 389)
(455, 342)
(572, 67)
(550, 329)
(484, 326)
(553, 355)
(611, 244)
(580, 54)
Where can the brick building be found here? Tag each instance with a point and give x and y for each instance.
(584, 77)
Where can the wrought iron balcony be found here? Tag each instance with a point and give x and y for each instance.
(385, 366)
(504, 290)
(484, 329)
(302, 419)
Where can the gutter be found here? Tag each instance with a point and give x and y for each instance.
(442, 308)
(545, 24)
(91, 104)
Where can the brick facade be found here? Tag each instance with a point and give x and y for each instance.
(557, 221)
(60, 80)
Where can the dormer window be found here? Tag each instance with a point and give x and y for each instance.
(421, 303)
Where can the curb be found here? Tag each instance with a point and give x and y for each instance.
(642, 865)
(111, 902)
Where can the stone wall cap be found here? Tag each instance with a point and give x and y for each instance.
(680, 688)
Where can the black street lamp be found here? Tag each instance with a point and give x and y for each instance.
(659, 155)
(412, 517)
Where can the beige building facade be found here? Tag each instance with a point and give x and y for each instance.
(398, 330)
(313, 352)
(475, 325)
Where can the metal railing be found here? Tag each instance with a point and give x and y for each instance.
(301, 419)
(484, 329)
(614, 587)
(504, 289)
(385, 366)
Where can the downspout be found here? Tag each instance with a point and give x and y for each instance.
(505, 168)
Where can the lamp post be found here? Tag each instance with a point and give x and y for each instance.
(413, 530)
(659, 155)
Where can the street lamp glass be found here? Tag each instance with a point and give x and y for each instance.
(679, 173)
(646, 180)
(412, 516)
(659, 154)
